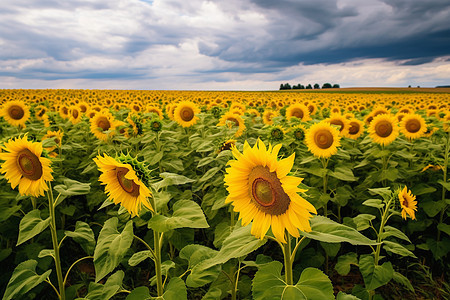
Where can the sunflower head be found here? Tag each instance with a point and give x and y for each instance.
(355, 129)
(261, 190)
(125, 180)
(384, 129)
(103, 125)
(15, 113)
(24, 166)
(298, 111)
(227, 145)
(298, 132)
(155, 125)
(408, 203)
(413, 126)
(322, 139)
(276, 133)
(232, 121)
(186, 113)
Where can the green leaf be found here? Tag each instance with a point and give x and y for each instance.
(343, 296)
(239, 243)
(139, 293)
(176, 290)
(392, 231)
(439, 248)
(99, 291)
(326, 230)
(398, 277)
(171, 179)
(432, 208)
(111, 247)
(31, 225)
(269, 284)
(221, 232)
(375, 276)
(4, 253)
(421, 189)
(344, 263)
(397, 249)
(47, 252)
(72, 187)
(446, 185)
(377, 203)
(205, 161)
(343, 173)
(444, 228)
(209, 174)
(362, 221)
(331, 248)
(195, 254)
(23, 279)
(156, 158)
(186, 213)
(84, 236)
(139, 257)
(384, 192)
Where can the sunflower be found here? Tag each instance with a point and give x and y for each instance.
(155, 110)
(233, 120)
(24, 166)
(261, 191)
(136, 125)
(413, 126)
(268, 115)
(122, 183)
(446, 122)
(155, 125)
(83, 107)
(277, 133)
(57, 138)
(64, 111)
(103, 125)
(407, 203)
(356, 129)
(227, 145)
(322, 139)
(75, 115)
(341, 122)
(383, 129)
(15, 113)
(40, 111)
(185, 113)
(298, 132)
(299, 111)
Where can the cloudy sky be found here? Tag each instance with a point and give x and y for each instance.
(223, 44)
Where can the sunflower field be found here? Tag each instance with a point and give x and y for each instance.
(137, 195)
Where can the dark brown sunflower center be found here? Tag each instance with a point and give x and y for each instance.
(298, 113)
(103, 123)
(405, 203)
(75, 113)
(65, 110)
(338, 123)
(186, 114)
(41, 112)
(311, 108)
(266, 191)
(323, 139)
(16, 112)
(83, 108)
(127, 185)
(233, 120)
(354, 128)
(383, 128)
(29, 165)
(412, 126)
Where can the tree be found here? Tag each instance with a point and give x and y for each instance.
(336, 86)
(327, 85)
(309, 87)
(316, 86)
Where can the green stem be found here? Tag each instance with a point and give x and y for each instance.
(288, 262)
(444, 190)
(157, 249)
(51, 208)
(232, 218)
(325, 183)
(384, 219)
(77, 261)
(237, 279)
(294, 252)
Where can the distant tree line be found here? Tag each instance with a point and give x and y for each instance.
(287, 86)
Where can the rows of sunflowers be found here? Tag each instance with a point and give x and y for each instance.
(224, 195)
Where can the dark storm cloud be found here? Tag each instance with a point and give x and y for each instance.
(320, 32)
